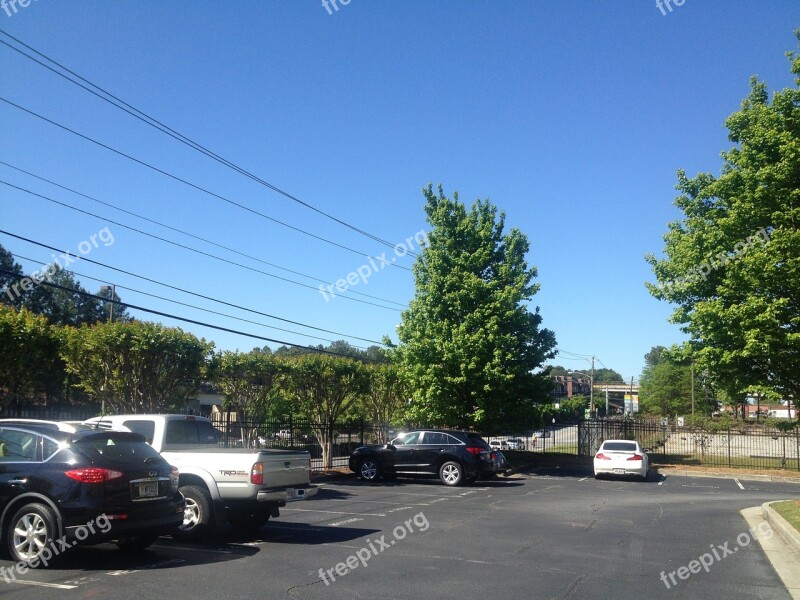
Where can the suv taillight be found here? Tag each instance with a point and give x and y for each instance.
(257, 474)
(636, 457)
(93, 475)
(475, 450)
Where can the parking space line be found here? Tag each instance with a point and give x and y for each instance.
(345, 522)
(332, 512)
(583, 479)
(741, 487)
(58, 586)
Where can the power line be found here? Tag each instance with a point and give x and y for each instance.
(207, 310)
(189, 183)
(185, 291)
(176, 317)
(156, 124)
(185, 247)
(179, 231)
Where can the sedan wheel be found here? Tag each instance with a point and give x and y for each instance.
(368, 469)
(451, 473)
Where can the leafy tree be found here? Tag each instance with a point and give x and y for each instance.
(654, 356)
(469, 343)
(666, 389)
(324, 387)
(29, 361)
(10, 273)
(249, 383)
(385, 399)
(732, 263)
(136, 367)
(574, 407)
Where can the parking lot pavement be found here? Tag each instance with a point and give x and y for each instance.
(548, 534)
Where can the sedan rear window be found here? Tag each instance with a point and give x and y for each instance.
(620, 446)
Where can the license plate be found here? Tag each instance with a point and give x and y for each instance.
(619, 471)
(148, 489)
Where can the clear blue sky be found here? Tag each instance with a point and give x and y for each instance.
(572, 117)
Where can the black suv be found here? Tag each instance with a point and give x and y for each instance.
(455, 456)
(62, 485)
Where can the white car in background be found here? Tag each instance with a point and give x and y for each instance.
(620, 457)
(515, 443)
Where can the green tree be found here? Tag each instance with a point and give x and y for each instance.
(10, 273)
(29, 361)
(469, 342)
(384, 402)
(732, 263)
(249, 383)
(654, 356)
(324, 387)
(666, 389)
(136, 367)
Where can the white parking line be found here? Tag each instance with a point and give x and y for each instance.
(58, 586)
(345, 522)
(741, 487)
(583, 479)
(333, 512)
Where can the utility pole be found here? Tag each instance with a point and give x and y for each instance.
(591, 391)
(692, 391)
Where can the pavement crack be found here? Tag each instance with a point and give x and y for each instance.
(572, 587)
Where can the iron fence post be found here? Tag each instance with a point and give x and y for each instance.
(729, 447)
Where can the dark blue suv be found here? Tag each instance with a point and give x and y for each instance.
(456, 457)
(62, 485)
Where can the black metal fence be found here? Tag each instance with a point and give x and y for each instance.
(741, 446)
(55, 412)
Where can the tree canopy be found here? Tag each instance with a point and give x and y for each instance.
(731, 264)
(469, 341)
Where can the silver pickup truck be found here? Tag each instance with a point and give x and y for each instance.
(237, 486)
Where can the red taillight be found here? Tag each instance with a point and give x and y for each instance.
(257, 474)
(602, 456)
(494, 455)
(475, 450)
(93, 475)
(636, 457)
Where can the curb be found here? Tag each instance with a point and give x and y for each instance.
(789, 534)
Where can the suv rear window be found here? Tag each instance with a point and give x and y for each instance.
(115, 447)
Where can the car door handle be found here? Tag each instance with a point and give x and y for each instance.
(17, 481)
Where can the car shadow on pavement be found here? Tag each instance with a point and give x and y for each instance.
(287, 532)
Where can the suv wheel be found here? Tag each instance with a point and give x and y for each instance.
(451, 473)
(197, 516)
(368, 469)
(30, 532)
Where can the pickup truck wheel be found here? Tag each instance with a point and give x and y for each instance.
(368, 469)
(451, 473)
(197, 516)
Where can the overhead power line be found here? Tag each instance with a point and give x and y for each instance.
(186, 233)
(189, 183)
(176, 317)
(117, 102)
(185, 291)
(186, 304)
(184, 246)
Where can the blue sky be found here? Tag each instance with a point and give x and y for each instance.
(572, 117)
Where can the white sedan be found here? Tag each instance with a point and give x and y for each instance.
(620, 457)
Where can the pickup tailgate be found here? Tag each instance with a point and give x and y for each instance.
(285, 468)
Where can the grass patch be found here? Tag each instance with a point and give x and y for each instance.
(789, 510)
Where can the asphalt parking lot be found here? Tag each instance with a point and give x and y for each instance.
(542, 535)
